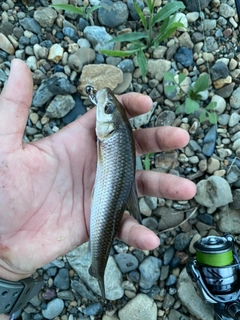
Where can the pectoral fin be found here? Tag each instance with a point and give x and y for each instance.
(133, 205)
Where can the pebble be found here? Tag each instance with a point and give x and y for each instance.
(6, 45)
(213, 192)
(53, 308)
(209, 141)
(190, 298)
(61, 280)
(45, 16)
(235, 99)
(98, 37)
(101, 76)
(184, 56)
(116, 16)
(219, 70)
(80, 58)
(30, 24)
(55, 53)
(150, 272)
(141, 302)
(126, 262)
(80, 261)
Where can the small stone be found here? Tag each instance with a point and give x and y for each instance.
(55, 53)
(142, 303)
(92, 309)
(192, 16)
(220, 83)
(31, 25)
(53, 309)
(80, 58)
(235, 99)
(182, 240)
(226, 11)
(195, 238)
(219, 70)
(158, 67)
(213, 192)
(210, 141)
(60, 106)
(213, 165)
(61, 280)
(234, 119)
(150, 272)
(181, 17)
(168, 255)
(6, 45)
(126, 262)
(144, 208)
(98, 37)
(210, 44)
(101, 76)
(45, 16)
(184, 56)
(220, 104)
(116, 16)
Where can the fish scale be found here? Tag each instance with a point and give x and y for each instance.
(114, 187)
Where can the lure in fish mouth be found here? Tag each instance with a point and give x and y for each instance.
(114, 188)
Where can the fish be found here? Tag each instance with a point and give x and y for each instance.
(114, 188)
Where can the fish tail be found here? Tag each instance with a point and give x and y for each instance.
(102, 287)
(100, 282)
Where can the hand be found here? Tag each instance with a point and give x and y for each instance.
(46, 185)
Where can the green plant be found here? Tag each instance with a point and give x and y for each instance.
(152, 34)
(82, 11)
(193, 97)
(146, 161)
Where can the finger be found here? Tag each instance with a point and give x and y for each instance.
(136, 235)
(15, 101)
(160, 138)
(135, 103)
(164, 185)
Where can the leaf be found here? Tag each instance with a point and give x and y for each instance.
(191, 106)
(202, 83)
(168, 76)
(212, 105)
(128, 37)
(150, 4)
(142, 62)
(118, 53)
(212, 116)
(181, 77)
(202, 116)
(164, 34)
(93, 8)
(167, 10)
(170, 89)
(141, 15)
(137, 45)
(70, 8)
(180, 109)
(146, 162)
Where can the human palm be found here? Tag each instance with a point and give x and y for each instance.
(46, 185)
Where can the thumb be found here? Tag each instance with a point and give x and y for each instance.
(15, 101)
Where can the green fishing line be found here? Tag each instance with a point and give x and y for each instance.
(215, 260)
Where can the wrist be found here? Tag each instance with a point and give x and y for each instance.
(10, 274)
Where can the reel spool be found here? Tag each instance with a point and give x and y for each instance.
(215, 261)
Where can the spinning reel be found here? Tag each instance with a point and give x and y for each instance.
(216, 271)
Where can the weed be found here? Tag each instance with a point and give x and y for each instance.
(152, 34)
(193, 97)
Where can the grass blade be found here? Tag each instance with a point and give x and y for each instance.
(141, 15)
(168, 10)
(69, 8)
(142, 62)
(128, 37)
(118, 53)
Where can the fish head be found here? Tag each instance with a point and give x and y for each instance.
(109, 112)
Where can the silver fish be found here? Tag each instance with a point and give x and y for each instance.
(114, 189)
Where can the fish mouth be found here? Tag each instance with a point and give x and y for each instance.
(92, 93)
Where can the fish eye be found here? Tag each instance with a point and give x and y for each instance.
(109, 108)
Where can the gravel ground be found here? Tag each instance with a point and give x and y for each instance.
(62, 51)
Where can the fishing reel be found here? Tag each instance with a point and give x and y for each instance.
(216, 271)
